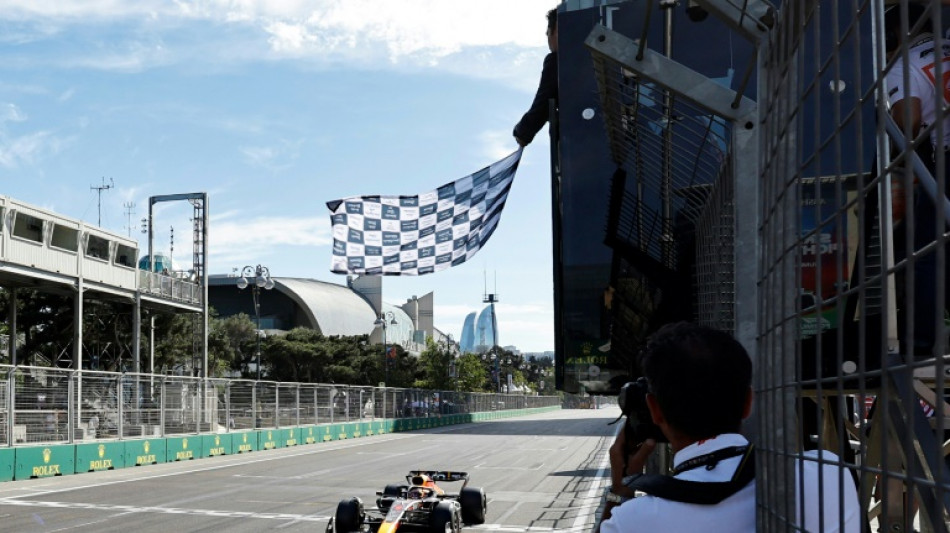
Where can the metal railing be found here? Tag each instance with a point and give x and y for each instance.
(169, 287)
(49, 405)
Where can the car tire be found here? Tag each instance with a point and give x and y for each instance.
(474, 503)
(444, 519)
(349, 516)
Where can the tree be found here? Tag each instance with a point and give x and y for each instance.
(300, 355)
(435, 362)
(232, 345)
(471, 372)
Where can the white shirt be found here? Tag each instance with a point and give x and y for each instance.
(921, 81)
(829, 492)
(736, 514)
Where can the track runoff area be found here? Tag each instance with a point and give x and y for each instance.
(542, 472)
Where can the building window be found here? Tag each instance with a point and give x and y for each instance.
(65, 238)
(28, 227)
(97, 247)
(125, 255)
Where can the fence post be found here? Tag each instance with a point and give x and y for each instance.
(119, 400)
(297, 405)
(11, 404)
(199, 399)
(72, 413)
(227, 405)
(277, 405)
(316, 404)
(254, 413)
(161, 403)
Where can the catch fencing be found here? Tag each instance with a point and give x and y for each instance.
(47, 406)
(820, 230)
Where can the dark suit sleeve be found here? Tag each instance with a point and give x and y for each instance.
(537, 115)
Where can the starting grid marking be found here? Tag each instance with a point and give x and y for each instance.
(166, 510)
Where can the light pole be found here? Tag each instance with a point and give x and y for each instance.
(495, 360)
(385, 320)
(262, 280)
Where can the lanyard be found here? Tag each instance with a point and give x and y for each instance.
(710, 460)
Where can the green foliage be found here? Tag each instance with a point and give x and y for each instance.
(472, 375)
(436, 362)
(45, 329)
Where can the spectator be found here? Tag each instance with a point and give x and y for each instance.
(915, 105)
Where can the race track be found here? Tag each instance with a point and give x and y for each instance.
(543, 472)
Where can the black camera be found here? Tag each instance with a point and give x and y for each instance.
(639, 425)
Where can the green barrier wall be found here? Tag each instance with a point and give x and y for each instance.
(59, 459)
(100, 456)
(7, 459)
(326, 433)
(244, 442)
(52, 460)
(309, 435)
(291, 436)
(145, 452)
(271, 439)
(217, 444)
(183, 448)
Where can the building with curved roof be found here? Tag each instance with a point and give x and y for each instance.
(328, 308)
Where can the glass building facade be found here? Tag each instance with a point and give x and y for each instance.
(467, 342)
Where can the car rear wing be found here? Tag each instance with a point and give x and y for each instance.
(439, 475)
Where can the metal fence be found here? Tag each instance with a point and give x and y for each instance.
(821, 239)
(47, 405)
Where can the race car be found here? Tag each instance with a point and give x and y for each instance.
(419, 505)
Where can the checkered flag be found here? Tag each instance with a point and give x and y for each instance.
(421, 234)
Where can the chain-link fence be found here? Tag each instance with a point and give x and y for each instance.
(817, 197)
(47, 405)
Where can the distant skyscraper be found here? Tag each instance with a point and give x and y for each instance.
(467, 342)
(486, 334)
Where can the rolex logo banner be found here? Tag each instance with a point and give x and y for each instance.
(423, 233)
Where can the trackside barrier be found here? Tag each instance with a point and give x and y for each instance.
(25, 462)
(100, 456)
(144, 452)
(215, 445)
(45, 461)
(7, 458)
(183, 448)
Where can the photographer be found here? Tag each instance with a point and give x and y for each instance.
(698, 392)
(697, 389)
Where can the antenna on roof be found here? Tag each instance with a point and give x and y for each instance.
(99, 189)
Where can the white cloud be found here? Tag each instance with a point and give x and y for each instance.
(25, 149)
(237, 239)
(11, 113)
(487, 38)
(274, 157)
(496, 144)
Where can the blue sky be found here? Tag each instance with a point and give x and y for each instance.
(274, 107)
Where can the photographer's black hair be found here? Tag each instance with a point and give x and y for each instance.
(700, 378)
(892, 23)
(552, 19)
